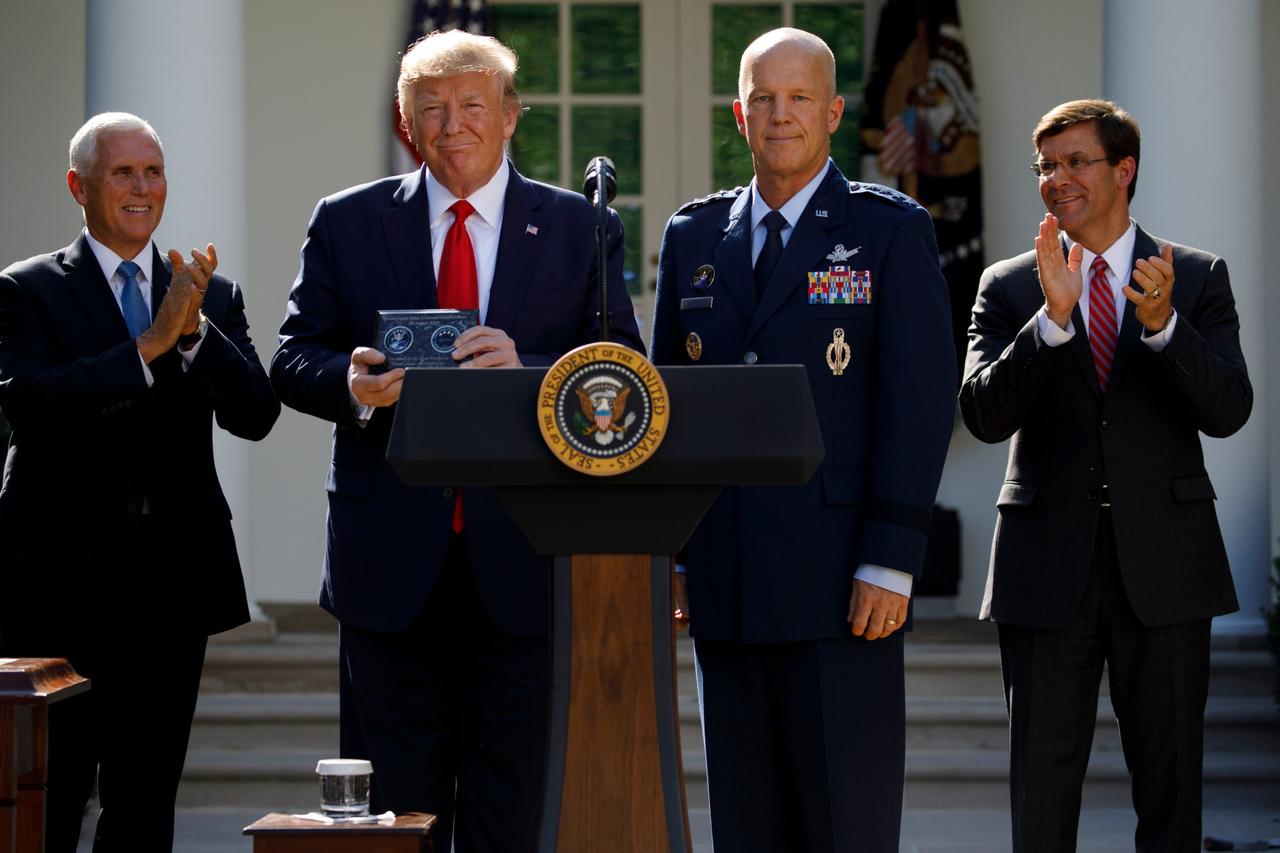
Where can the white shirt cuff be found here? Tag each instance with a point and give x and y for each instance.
(146, 370)
(1158, 341)
(189, 355)
(890, 579)
(362, 412)
(1050, 332)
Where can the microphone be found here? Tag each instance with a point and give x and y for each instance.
(600, 169)
(601, 177)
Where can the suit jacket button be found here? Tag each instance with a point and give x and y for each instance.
(447, 492)
(1106, 424)
(1091, 495)
(131, 508)
(750, 357)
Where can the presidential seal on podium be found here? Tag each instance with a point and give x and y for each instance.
(603, 409)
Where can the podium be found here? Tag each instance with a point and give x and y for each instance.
(614, 779)
(27, 687)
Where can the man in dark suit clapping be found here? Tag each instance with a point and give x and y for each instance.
(1104, 357)
(118, 549)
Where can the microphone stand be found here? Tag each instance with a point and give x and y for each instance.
(602, 236)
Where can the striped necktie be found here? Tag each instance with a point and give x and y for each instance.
(1102, 320)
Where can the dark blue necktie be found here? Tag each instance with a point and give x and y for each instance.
(774, 222)
(136, 315)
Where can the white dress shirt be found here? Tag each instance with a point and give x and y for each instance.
(484, 227)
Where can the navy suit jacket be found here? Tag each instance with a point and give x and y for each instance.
(1141, 437)
(91, 443)
(368, 248)
(771, 564)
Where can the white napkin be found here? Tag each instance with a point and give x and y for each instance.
(384, 818)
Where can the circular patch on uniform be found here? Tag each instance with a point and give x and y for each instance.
(398, 339)
(703, 277)
(603, 409)
(445, 338)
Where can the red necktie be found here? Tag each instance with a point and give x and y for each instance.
(456, 287)
(1102, 320)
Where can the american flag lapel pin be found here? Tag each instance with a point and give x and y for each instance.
(531, 230)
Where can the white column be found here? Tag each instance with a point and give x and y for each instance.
(179, 64)
(1191, 73)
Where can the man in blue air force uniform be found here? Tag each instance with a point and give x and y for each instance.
(796, 596)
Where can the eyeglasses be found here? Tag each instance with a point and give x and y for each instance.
(1073, 167)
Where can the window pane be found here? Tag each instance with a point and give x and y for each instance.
(533, 32)
(615, 133)
(844, 142)
(606, 49)
(733, 27)
(730, 157)
(632, 234)
(535, 147)
(840, 26)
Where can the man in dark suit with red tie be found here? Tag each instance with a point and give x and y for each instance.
(118, 552)
(442, 603)
(1104, 358)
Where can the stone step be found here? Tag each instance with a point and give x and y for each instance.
(979, 779)
(296, 663)
(291, 663)
(284, 780)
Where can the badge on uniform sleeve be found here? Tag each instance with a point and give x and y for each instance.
(693, 346)
(703, 276)
(838, 353)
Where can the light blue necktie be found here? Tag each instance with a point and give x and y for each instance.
(136, 315)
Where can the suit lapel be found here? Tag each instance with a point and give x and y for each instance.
(161, 275)
(518, 250)
(732, 256)
(92, 290)
(1130, 329)
(808, 246)
(405, 226)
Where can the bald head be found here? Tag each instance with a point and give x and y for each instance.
(787, 44)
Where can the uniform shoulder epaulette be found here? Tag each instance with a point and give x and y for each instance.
(881, 191)
(722, 195)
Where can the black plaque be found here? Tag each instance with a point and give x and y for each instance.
(422, 338)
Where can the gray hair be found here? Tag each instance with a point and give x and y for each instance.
(84, 145)
(785, 35)
(448, 54)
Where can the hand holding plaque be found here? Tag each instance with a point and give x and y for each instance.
(422, 338)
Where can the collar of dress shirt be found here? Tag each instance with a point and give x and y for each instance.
(1119, 257)
(487, 200)
(795, 205)
(109, 261)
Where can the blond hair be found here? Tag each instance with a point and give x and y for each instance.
(448, 54)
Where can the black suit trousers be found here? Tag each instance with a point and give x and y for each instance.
(453, 714)
(1159, 681)
(130, 730)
